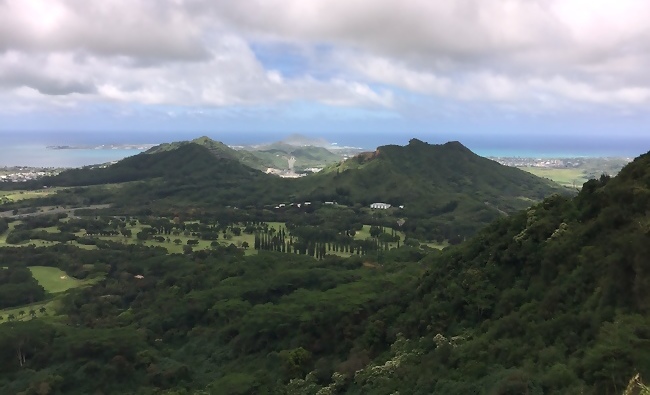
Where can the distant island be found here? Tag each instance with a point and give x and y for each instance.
(141, 147)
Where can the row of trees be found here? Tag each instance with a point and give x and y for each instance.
(21, 313)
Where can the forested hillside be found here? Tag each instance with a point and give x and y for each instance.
(446, 190)
(551, 300)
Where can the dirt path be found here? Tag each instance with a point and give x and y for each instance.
(51, 210)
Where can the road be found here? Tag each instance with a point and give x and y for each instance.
(52, 210)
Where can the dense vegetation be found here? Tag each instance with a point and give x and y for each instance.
(18, 287)
(551, 299)
(447, 191)
(209, 320)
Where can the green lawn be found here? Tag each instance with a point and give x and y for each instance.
(50, 305)
(14, 196)
(437, 245)
(3, 236)
(174, 248)
(54, 280)
(564, 177)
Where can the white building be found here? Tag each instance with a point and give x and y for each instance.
(380, 206)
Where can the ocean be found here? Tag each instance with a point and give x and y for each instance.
(30, 148)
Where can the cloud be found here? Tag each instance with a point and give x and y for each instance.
(521, 55)
(231, 75)
(137, 29)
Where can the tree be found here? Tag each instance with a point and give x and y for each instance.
(11, 317)
(42, 310)
(244, 245)
(177, 241)
(375, 231)
(21, 313)
(32, 313)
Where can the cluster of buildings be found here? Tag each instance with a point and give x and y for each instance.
(284, 173)
(24, 174)
(553, 163)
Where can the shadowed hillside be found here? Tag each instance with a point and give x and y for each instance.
(437, 184)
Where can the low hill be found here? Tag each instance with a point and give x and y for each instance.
(437, 184)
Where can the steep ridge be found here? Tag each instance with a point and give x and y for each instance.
(554, 299)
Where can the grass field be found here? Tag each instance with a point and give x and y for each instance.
(54, 280)
(565, 177)
(3, 236)
(174, 248)
(439, 246)
(177, 248)
(14, 196)
(50, 305)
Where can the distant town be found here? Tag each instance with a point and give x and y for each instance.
(551, 163)
(24, 173)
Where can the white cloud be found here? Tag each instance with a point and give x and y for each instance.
(506, 53)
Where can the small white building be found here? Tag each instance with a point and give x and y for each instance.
(380, 206)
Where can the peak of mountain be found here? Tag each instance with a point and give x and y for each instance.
(435, 183)
(299, 140)
(183, 160)
(217, 148)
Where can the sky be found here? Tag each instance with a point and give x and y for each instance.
(514, 70)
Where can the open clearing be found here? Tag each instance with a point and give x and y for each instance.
(54, 280)
(565, 177)
(14, 196)
(51, 305)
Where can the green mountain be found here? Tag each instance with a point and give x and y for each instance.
(438, 185)
(218, 149)
(189, 174)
